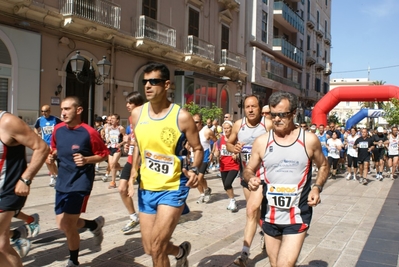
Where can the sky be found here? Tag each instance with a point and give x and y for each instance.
(365, 34)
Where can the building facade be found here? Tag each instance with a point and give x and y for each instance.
(217, 51)
(288, 49)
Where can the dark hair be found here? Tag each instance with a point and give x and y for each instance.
(353, 128)
(321, 125)
(165, 74)
(77, 102)
(135, 98)
(257, 98)
(199, 115)
(276, 98)
(116, 116)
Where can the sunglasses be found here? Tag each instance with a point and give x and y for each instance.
(45, 110)
(281, 115)
(197, 122)
(152, 81)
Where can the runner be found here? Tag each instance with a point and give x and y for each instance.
(286, 153)
(77, 147)
(164, 182)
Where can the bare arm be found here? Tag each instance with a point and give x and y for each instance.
(187, 125)
(315, 153)
(232, 145)
(13, 132)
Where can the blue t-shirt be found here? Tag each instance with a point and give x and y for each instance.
(81, 139)
(323, 141)
(46, 126)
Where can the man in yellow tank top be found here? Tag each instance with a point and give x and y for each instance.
(161, 129)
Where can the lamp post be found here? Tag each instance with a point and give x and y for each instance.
(104, 66)
(240, 96)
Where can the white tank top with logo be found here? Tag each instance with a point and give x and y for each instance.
(393, 145)
(288, 177)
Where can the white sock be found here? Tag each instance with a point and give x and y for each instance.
(134, 217)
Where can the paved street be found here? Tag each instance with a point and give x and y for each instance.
(344, 231)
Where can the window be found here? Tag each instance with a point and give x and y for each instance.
(193, 22)
(225, 37)
(301, 44)
(264, 27)
(150, 8)
(3, 94)
(275, 32)
(317, 85)
(308, 43)
(325, 55)
(325, 26)
(307, 81)
(265, 1)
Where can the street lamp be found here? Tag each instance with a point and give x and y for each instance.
(104, 66)
(240, 96)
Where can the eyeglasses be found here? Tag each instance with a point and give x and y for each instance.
(152, 81)
(226, 117)
(197, 122)
(45, 110)
(265, 113)
(281, 115)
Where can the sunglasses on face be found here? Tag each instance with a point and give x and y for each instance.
(197, 122)
(281, 115)
(152, 81)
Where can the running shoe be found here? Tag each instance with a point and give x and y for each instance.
(183, 261)
(53, 181)
(391, 176)
(208, 193)
(129, 227)
(34, 226)
(105, 178)
(200, 199)
(98, 232)
(365, 182)
(348, 176)
(242, 260)
(23, 232)
(21, 246)
(354, 177)
(70, 264)
(112, 185)
(233, 207)
(360, 180)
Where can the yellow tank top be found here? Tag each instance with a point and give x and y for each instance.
(160, 143)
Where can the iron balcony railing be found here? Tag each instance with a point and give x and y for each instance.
(233, 60)
(282, 80)
(99, 11)
(196, 46)
(154, 30)
(289, 15)
(288, 50)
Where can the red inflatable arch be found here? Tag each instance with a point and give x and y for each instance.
(351, 93)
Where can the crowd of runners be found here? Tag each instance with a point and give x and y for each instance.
(273, 157)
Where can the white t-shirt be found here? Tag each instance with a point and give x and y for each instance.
(333, 148)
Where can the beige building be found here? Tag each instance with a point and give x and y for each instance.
(288, 49)
(216, 51)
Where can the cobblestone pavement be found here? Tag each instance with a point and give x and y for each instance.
(339, 230)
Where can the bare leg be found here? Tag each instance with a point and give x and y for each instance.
(8, 256)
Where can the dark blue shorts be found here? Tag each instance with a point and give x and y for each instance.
(283, 229)
(150, 200)
(71, 203)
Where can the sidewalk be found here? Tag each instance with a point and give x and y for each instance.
(344, 229)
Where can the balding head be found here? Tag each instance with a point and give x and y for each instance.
(46, 111)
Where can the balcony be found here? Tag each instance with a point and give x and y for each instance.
(328, 69)
(281, 80)
(198, 50)
(327, 38)
(320, 65)
(231, 4)
(310, 58)
(311, 22)
(319, 31)
(231, 62)
(152, 33)
(288, 50)
(99, 11)
(288, 17)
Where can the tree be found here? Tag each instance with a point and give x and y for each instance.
(212, 112)
(392, 112)
(333, 118)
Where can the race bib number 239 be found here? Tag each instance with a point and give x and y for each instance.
(159, 163)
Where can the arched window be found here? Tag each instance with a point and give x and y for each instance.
(5, 75)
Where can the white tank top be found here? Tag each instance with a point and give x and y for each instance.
(351, 141)
(393, 145)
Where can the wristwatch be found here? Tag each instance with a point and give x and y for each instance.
(318, 186)
(27, 182)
